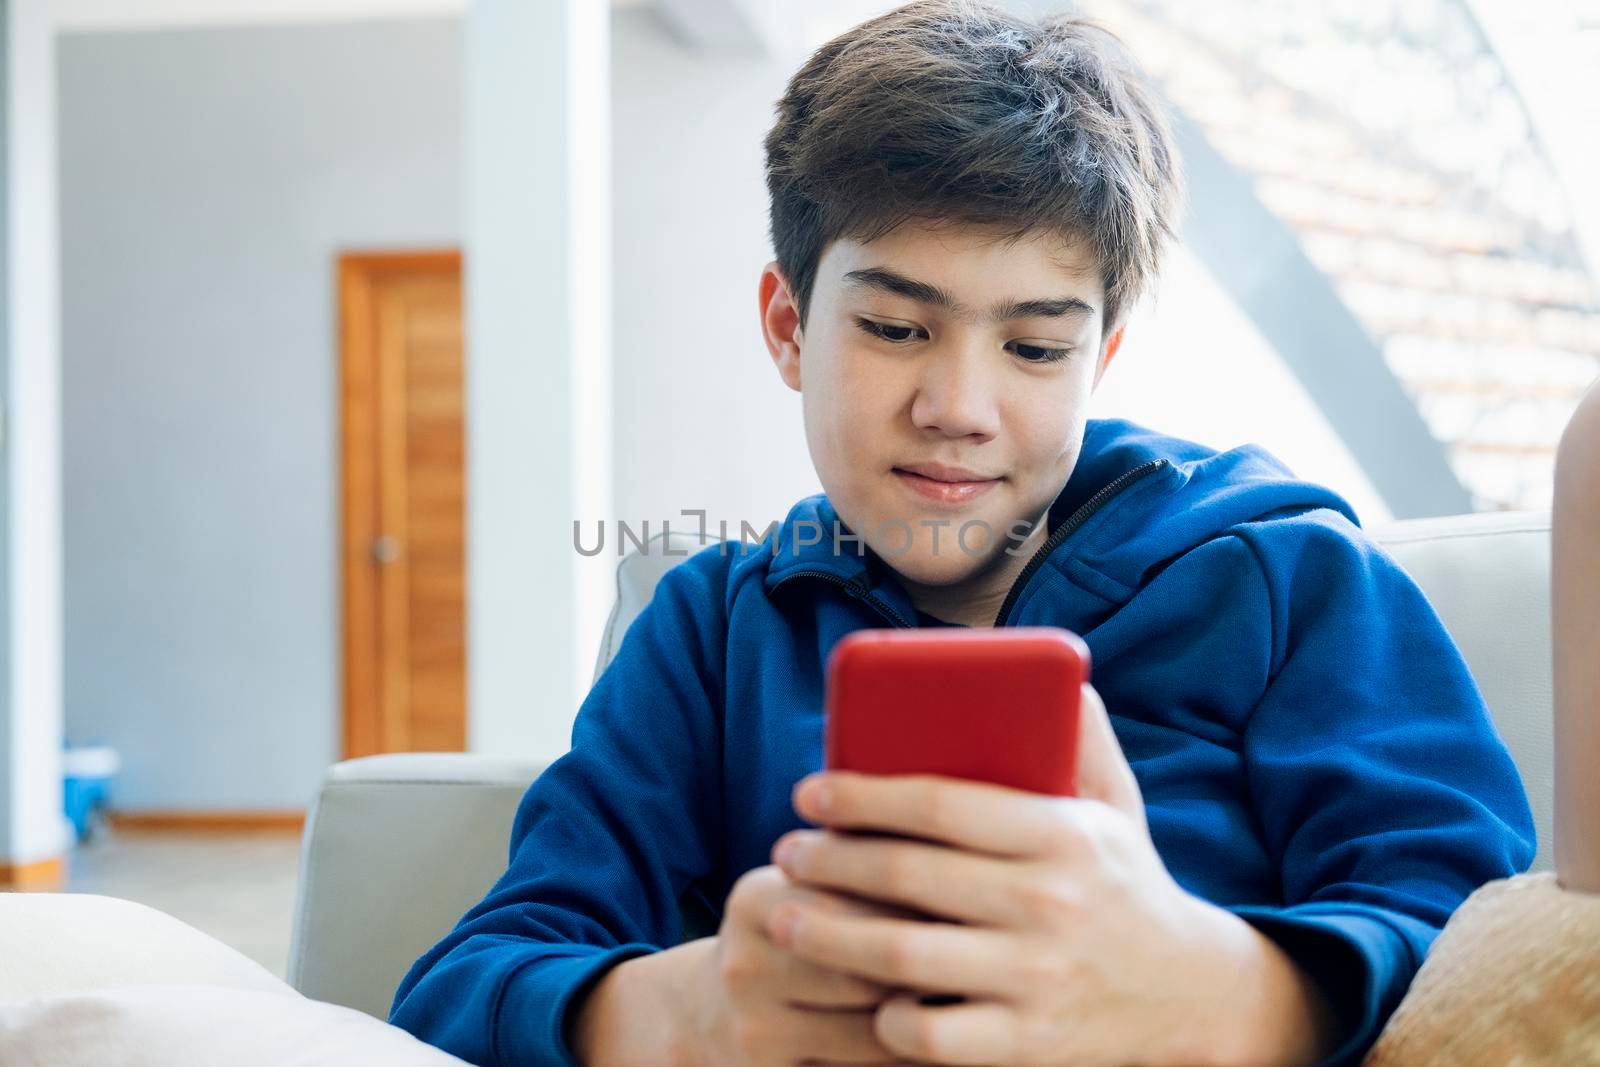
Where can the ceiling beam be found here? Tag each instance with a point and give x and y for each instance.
(1258, 260)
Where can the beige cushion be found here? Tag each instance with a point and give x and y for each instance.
(201, 1026)
(1512, 981)
(76, 942)
(92, 980)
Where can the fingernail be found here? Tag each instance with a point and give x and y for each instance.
(818, 795)
(783, 855)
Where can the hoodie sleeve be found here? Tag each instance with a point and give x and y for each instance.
(1380, 782)
(603, 843)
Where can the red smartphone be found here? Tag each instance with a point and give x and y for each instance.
(993, 705)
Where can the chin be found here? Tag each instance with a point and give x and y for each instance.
(943, 568)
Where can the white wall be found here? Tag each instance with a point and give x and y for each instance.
(32, 827)
(702, 419)
(209, 177)
(538, 316)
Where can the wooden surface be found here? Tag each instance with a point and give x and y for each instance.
(41, 876)
(208, 821)
(404, 481)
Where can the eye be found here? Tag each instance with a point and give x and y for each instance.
(1039, 353)
(885, 331)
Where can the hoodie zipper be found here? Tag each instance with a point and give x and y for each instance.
(856, 589)
(1062, 532)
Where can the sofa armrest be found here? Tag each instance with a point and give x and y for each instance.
(396, 849)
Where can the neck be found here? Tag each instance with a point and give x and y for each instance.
(975, 600)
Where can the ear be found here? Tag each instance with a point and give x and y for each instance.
(780, 324)
(1113, 342)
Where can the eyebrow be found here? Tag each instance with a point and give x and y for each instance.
(926, 293)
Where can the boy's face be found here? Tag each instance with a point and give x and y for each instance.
(944, 376)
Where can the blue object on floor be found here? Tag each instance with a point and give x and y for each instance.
(88, 773)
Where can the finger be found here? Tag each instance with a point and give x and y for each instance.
(837, 1037)
(834, 902)
(934, 880)
(974, 1032)
(930, 957)
(1103, 771)
(805, 983)
(976, 816)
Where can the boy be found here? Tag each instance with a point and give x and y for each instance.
(1295, 785)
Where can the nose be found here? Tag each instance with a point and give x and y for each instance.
(957, 394)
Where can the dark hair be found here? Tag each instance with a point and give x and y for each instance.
(958, 110)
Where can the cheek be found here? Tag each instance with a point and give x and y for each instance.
(855, 404)
(838, 414)
(1046, 427)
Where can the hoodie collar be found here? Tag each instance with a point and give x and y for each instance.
(805, 542)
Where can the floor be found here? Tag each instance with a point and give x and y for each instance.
(236, 886)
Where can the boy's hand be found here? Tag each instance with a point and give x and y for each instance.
(1062, 927)
(736, 999)
(750, 1002)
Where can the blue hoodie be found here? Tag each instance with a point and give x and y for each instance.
(1313, 754)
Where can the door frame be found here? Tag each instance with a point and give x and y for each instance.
(363, 729)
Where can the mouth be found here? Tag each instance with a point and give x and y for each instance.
(945, 485)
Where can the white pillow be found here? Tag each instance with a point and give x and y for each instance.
(92, 981)
(201, 1026)
(76, 942)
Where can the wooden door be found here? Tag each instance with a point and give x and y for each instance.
(402, 354)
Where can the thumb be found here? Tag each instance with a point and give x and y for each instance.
(1103, 771)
